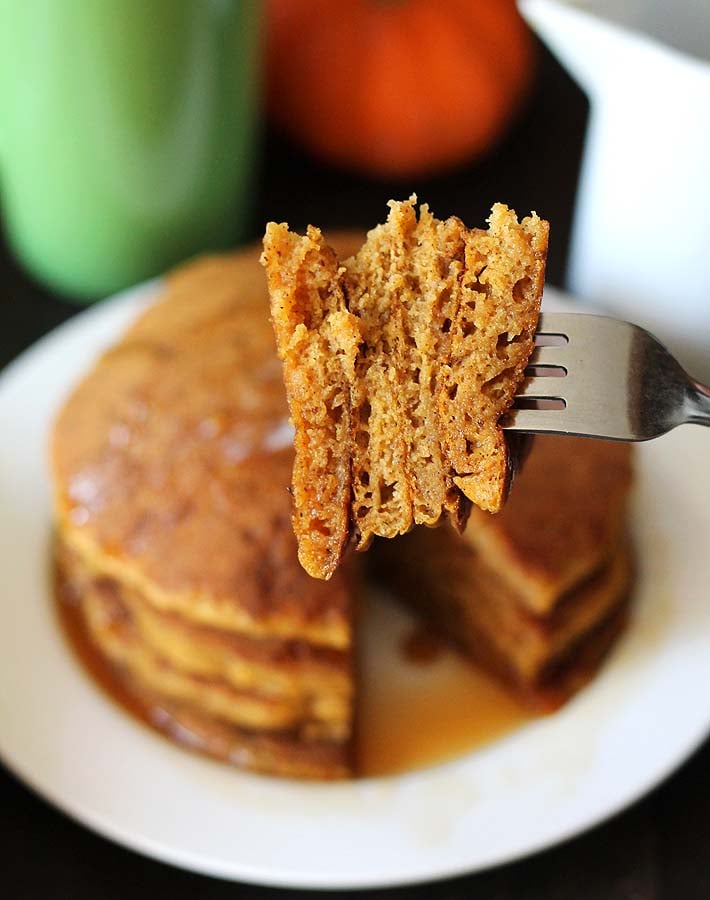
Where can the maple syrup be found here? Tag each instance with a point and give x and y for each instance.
(420, 702)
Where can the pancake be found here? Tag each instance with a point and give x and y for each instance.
(563, 519)
(101, 632)
(308, 676)
(171, 463)
(172, 460)
(466, 600)
(468, 593)
(174, 545)
(398, 363)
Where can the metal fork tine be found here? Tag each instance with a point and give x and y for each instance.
(579, 356)
(551, 356)
(620, 383)
(535, 421)
(541, 386)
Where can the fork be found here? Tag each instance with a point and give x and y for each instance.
(595, 376)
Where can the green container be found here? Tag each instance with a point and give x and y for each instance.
(126, 134)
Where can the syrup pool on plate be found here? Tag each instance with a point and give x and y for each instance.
(421, 703)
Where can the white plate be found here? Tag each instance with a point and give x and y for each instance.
(640, 718)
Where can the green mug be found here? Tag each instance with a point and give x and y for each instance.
(126, 134)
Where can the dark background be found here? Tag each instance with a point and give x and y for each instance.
(657, 850)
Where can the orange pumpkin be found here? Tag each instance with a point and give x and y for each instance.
(396, 87)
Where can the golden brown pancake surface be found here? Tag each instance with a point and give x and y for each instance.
(172, 462)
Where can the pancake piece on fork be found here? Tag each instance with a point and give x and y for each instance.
(398, 363)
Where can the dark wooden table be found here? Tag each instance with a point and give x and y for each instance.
(657, 850)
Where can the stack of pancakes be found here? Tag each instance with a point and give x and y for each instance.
(176, 554)
(171, 466)
(538, 592)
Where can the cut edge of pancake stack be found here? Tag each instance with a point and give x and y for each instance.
(537, 593)
(266, 705)
(171, 465)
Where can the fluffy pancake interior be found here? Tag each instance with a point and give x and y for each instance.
(398, 365)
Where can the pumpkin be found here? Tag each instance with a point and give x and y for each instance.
(396, 87)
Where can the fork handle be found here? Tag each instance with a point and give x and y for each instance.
(699, 404)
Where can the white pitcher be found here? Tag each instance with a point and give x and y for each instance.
(641, 236)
